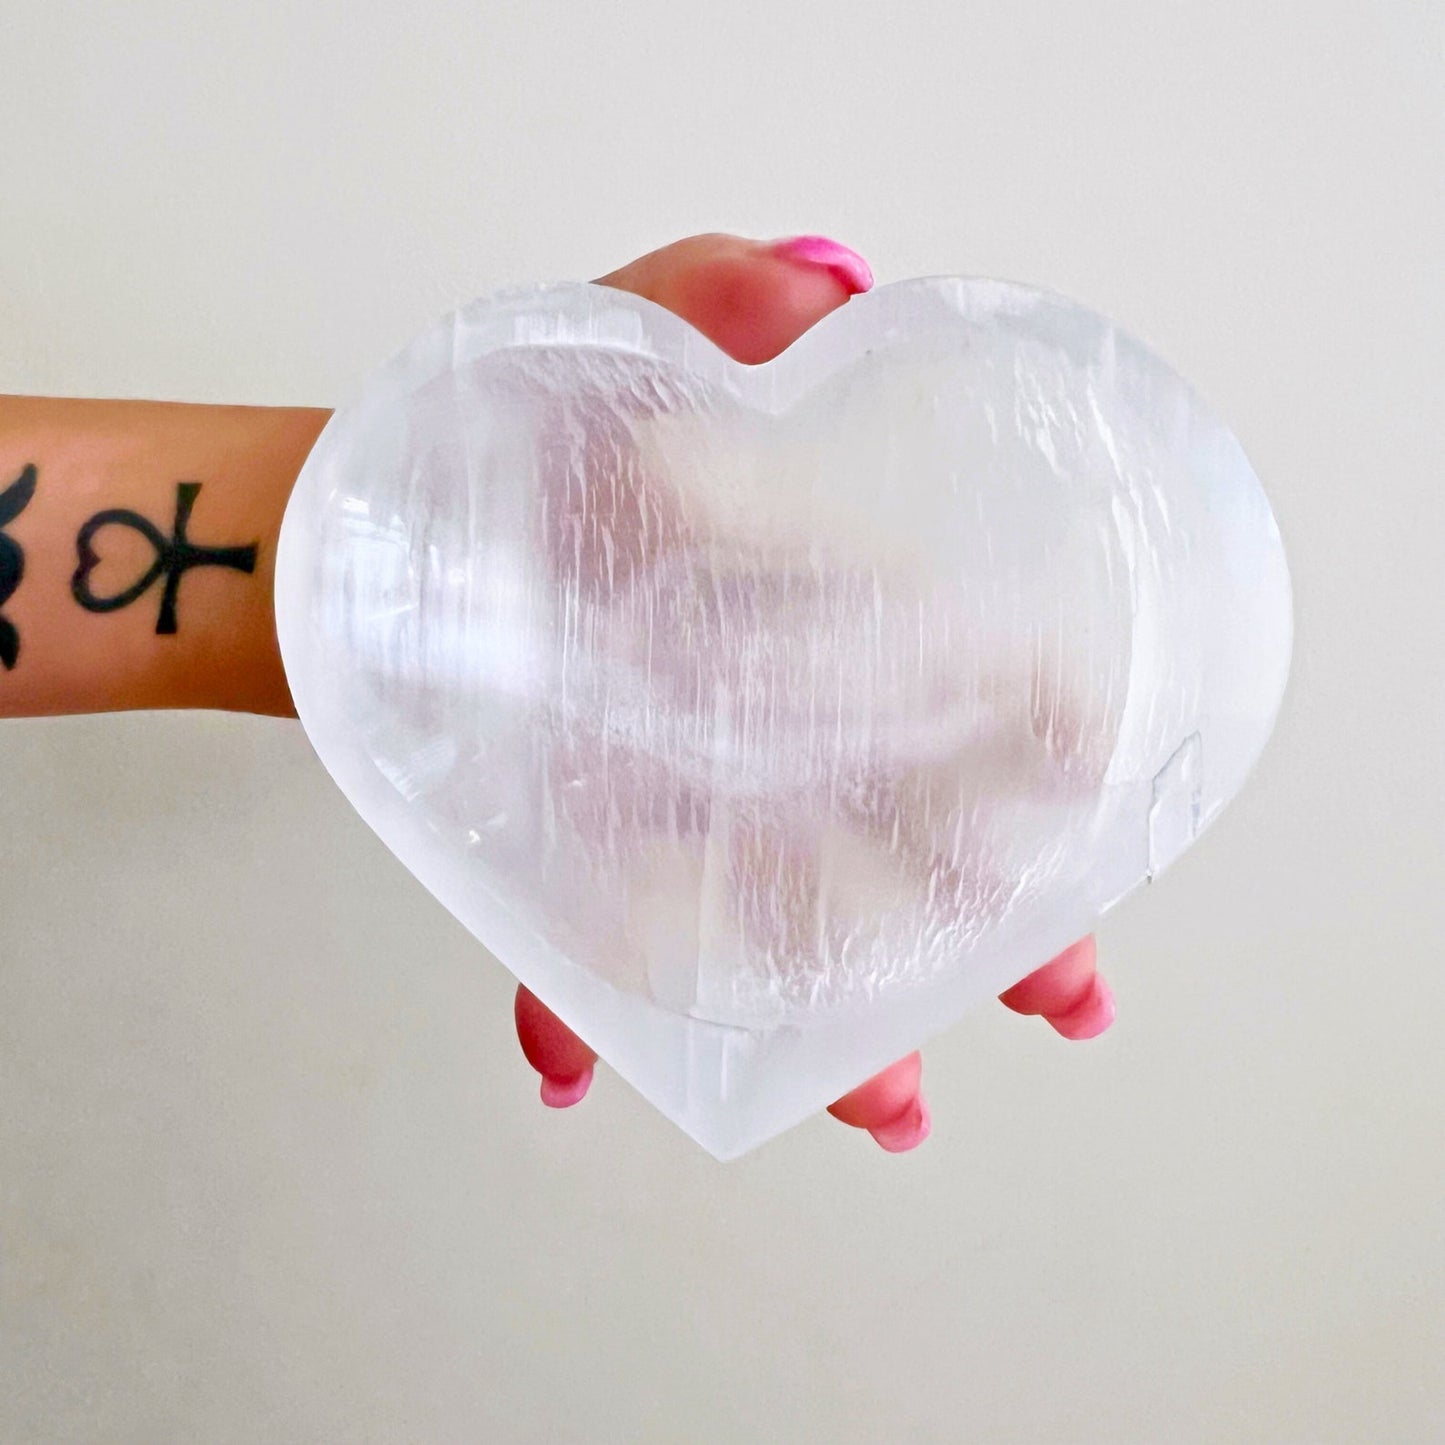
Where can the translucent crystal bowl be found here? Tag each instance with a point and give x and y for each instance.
(762, 719)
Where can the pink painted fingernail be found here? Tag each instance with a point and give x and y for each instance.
(1090, 1016)
(563, 1093)
(847, 266)
(907, 1131)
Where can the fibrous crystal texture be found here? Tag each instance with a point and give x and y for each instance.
(761, 719)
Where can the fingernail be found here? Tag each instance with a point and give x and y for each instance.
(1090, 1016)
(907, 1131)
(563, 1093)
(847, 266)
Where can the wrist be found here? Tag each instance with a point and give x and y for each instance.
(191, 498)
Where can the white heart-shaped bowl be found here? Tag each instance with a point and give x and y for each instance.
(762, 719)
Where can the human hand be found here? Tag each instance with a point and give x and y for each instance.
(754, 299)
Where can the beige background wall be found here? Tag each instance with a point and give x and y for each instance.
(270, 1167)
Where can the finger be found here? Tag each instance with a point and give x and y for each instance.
(751, 298)
(563, 1060)
(890, 1106)
(1068, 992)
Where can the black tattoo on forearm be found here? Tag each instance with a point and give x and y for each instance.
(13, 501)
(174, 556)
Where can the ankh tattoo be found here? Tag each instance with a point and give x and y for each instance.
(175, 555)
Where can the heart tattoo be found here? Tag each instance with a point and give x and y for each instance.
(175, 555)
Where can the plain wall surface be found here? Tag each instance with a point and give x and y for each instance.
(271, 1167)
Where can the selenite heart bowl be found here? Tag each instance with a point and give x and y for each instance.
(762, 718)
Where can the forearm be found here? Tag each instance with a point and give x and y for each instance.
(119, 490)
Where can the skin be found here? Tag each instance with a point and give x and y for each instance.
(753, 299)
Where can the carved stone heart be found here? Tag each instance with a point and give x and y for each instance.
(762, 719)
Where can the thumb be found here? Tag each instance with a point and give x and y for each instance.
(751, 298)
